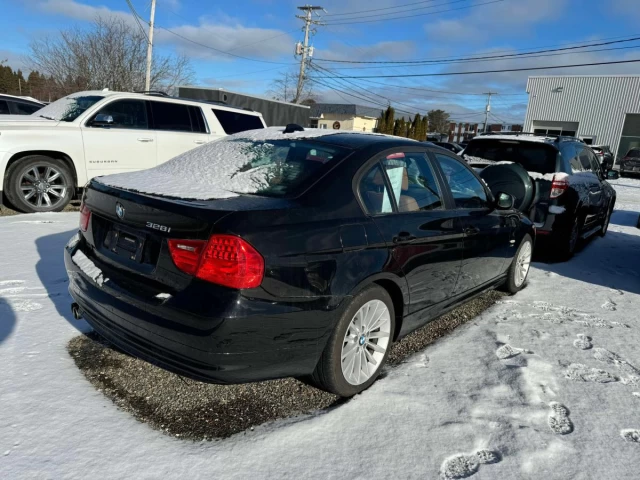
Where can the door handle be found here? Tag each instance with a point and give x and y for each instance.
(403, 237)
(199, 142)
(145, 139)
(470, 231)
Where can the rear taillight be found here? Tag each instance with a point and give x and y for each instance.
(85, 217)
(225, 259)
(559, 184)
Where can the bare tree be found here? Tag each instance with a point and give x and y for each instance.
(284, 87)
(110, 55)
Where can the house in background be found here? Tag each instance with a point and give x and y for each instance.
(462, 132)
(344, 116)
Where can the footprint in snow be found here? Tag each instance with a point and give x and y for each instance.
(463, 466)
(583, 342)
(636, 394)
(617, 291)
(544, 306)
(559, 420)
(581, 373)
(506, 351)
(610, 358)
(609, 305)
(630, 435)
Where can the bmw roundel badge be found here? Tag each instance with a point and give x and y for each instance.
(119, 210)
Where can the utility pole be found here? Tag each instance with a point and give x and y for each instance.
(304, 49)
(488, 109)
(147, 82)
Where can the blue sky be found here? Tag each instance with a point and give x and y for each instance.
(265, 32)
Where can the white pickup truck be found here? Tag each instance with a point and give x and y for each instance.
(47, 156)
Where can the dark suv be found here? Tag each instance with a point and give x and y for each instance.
(558, 183)
(630, 163)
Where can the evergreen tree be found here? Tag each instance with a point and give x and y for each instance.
(381, 123)
(399, 128)
(415, 127)
(424, 128)
(389, 120)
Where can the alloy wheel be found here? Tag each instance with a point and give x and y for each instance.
(523, 262)
(365, 342)
(43, 186)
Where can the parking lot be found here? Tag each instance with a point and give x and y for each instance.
(544, 383)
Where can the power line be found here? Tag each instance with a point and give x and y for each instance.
(377, 9)
(444, 92)
(385, 18)
(137, 17)
(218, 50)
(486, 57)
(402, 11)
(525, 69)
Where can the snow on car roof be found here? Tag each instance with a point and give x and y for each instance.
(213, 171)
(526, 138)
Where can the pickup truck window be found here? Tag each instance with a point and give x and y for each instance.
(19, 108)
(235, 122)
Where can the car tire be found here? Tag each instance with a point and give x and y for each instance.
(605, 222)
(519, 268)
(570, 238)
(52, 184)
(350, 343)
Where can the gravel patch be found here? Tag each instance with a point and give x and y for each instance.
(74, 206)
(194, 410)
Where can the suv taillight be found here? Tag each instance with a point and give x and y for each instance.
(224, 259)
(85, 217)
(559, 184)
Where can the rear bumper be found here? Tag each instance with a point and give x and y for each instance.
(268, 341)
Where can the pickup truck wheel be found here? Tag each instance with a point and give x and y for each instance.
(359, 345)
(39, 184)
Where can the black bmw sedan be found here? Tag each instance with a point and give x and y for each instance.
(289, 252)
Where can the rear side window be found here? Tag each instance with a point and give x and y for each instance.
(171, 116)
(4, 108)
(634, 153)
(585, 160)
(374, 193)
(197, 120)
(466, 189)
(235, 122)
(413, 182)
(532, 156)
(18, 108)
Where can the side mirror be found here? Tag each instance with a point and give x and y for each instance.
(505, 201)
(613, 175)
(102, 120)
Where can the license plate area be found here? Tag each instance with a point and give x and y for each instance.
(125, 242)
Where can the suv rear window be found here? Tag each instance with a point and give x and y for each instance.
(532, 156)
(235, 122)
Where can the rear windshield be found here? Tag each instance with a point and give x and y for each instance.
(532, 156)
(280, 168)
(634, 154)
(235, 122)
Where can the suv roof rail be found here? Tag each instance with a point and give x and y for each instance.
(556, 138)
(155, 93)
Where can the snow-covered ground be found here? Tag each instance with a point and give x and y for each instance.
(544, 385)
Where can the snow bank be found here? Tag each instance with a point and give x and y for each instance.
(215, 170)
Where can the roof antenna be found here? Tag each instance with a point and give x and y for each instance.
(293, 127)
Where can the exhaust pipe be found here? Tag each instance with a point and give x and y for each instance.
(76, 311)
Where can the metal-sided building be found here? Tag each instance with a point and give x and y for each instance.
(274, 112)
(602, 110)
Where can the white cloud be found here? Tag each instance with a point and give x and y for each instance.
(489, 21)
(262, 43)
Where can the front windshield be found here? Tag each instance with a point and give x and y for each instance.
(68, 108)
